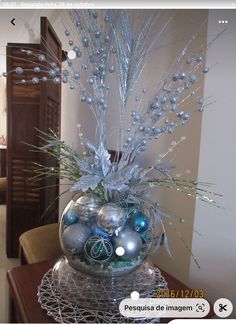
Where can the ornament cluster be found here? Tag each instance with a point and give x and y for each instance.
(104, 239)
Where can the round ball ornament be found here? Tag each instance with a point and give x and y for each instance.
(87, 206)
(111, 217)
(130, 241)
(139, 222)
(98, 249)
(74, 237)
(70, 218)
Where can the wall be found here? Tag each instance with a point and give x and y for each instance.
(216, 246)
(185, 24)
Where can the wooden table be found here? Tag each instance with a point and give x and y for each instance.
(24, 281)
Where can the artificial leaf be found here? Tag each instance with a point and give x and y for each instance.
(103, 157)
(89, 147)
(86, 182)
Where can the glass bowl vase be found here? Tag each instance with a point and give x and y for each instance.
(104, 239)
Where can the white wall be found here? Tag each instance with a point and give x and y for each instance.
(216, 247)
(184, 25)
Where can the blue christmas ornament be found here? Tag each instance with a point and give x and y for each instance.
(98, 231)
(139, 222)
(98, 249)
(70, 218)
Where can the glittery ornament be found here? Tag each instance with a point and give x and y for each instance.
(74, 237)
(111, 217)
(98, 249)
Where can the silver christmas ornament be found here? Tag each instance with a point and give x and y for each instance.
(35, 80)
(87, 206)
(65, 72)
(41, 57)
(111, 217)
(130, 241)
(74, 237)
(19, 70)
(37, 69)
(57, 80)
(52, 73)
(85, 41)
(64, 79)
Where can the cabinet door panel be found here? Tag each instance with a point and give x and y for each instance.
(29, 106)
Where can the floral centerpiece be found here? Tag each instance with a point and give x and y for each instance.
(111, 225)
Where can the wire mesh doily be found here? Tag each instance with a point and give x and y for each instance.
(99, 292)
(64, 311)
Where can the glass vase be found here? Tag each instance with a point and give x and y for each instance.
(105, 239)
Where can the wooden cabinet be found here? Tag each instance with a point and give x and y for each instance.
(29, 106)
(2, 172)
